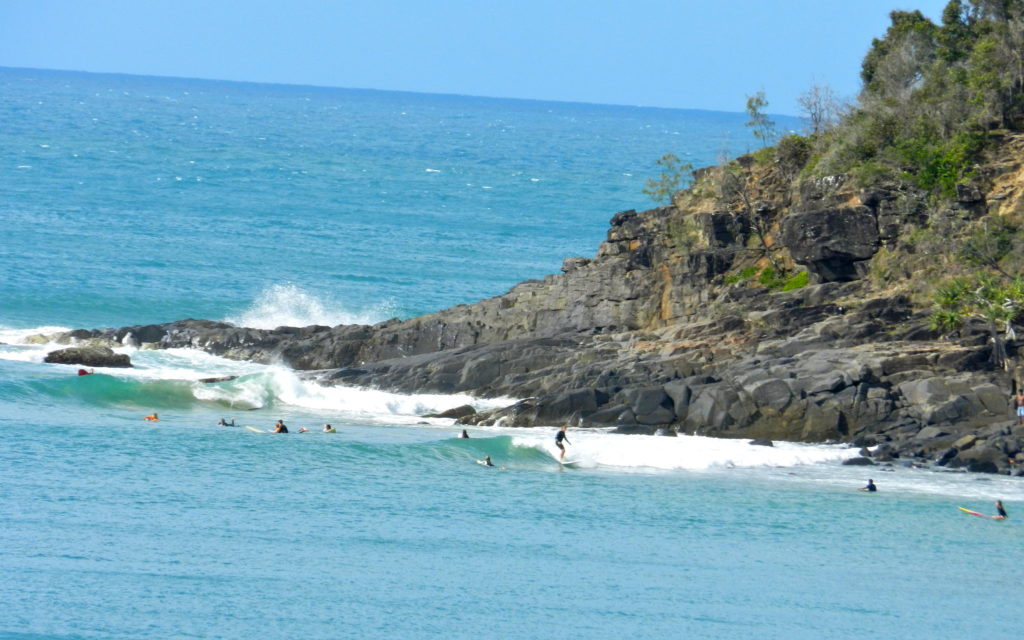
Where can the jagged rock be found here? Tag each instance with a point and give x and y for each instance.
(965, 442)
(981, 460)
(832, 241)
(762, 442)
(89, 356)
(219, 379)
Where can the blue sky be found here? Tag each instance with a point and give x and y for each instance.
(680, 54)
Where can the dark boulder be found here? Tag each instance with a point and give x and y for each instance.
(858, 462)
(831, 242)
(89, 357)
(456, 413)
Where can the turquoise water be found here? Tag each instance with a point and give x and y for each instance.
(130, 200)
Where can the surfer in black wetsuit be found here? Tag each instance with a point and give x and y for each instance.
(280, 428)
(870, 486)
(487, 462)
(464, 434)
(1001, 511)
(559, 437)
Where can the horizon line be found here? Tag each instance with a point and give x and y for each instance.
(374, 90)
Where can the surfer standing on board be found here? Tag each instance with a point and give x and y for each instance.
(559, 437)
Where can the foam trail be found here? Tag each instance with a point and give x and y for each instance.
(287, 305)
(694, 453)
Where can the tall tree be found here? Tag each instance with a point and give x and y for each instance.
(762, 127)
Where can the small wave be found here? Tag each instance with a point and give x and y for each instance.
(287, 305)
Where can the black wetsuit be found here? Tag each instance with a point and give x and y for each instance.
(281, 429)
(558, 439)
(1002, 511)
(871, 487)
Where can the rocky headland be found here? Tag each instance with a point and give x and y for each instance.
(659, 334)
(860, 283)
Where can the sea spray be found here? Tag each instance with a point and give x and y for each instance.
(289, 305)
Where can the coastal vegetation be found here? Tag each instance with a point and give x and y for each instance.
(937, 120)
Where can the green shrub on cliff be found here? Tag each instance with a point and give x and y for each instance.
(931, 92)
(998, 302)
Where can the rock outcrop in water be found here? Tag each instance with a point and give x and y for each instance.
(89, 356)
(661, 333)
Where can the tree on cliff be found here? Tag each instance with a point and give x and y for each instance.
(932, 93)
(821, 108)
(992, 294)
(670, 181)
(985, 297)
(762, 127)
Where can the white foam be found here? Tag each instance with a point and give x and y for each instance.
(368, 404)
(694, 453)
(287, 305)
(17, 336)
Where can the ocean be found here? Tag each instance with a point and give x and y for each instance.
(131, 200)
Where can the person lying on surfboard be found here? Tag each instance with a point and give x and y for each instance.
(559, 437)
(870, 486)
(152, 417)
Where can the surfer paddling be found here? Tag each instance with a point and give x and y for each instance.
(559, 437)
(152, 417)
(870, 486)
